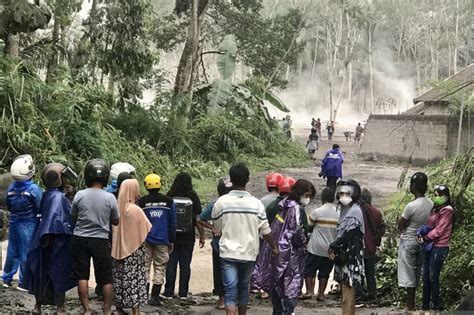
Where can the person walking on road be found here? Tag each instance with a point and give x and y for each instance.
(331, 166)
(240, 219)
(410, 255)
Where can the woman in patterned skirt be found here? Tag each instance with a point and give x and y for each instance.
(348, 248)
(128, 251)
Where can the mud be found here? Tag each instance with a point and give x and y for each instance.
(380, 178)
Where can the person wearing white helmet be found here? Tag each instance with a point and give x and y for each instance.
(115, 171)
(23, 202)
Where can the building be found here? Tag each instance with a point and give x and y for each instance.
(428, 132)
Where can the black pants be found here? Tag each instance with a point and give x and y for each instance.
(182, 254)
(369, 264)
(217, 274)
(331, 182)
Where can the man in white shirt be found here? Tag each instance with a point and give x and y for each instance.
(240, 218)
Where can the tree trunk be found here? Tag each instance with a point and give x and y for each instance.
(456, 34)
(371, 69)
(53, 59)
(12, 47)
(313, 68)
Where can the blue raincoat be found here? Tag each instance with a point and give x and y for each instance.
(332, 163)
(112, 187)
(49, 263)
(23, 202)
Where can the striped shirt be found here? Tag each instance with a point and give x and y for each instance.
(324, 219)
(240, 218)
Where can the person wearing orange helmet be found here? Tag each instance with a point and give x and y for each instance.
(271, 181)
(284, 188)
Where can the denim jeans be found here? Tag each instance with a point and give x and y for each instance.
(236, 278)
(283, 306)
(20, 235)
(182, 254)
(431, 269)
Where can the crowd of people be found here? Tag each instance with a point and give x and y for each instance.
(272, 245)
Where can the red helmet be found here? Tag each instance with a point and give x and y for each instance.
(286, 185)
(273, 179)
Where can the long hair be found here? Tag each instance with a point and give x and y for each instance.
(301, 187)
(182, 185)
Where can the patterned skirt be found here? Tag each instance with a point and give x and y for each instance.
(130, 280)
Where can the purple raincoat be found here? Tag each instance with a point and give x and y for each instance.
(284, 272)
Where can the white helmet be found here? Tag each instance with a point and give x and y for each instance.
(121, 167)
(22, 168)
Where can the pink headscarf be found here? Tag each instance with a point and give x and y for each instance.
(134, 226)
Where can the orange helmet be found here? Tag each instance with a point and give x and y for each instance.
(286, 185)
(273, 179)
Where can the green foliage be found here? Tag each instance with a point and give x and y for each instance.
(18, 16)
(455, 277)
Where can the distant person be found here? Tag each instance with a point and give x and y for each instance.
(348, 134)
(331, 166)
(161, 212)
(93, 210)
(358, 133)
(436, 241)
(347, 250)
(287, 127)
(49, 264)
(182, 253)
(224, 186)
(240, 219)
(271, 182)
(317, 126)
(313, 123)
(128, 251)
(374, 230)
(324, 219)
(330, 128)
(312, 144)
(410, 255)
(284, 276)
(23, 203)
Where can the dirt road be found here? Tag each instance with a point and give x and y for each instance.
(380, 178)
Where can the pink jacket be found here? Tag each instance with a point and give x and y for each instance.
(441, 220)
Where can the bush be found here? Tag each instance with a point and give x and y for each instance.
(455, 276)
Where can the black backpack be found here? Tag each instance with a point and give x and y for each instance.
(184, 214)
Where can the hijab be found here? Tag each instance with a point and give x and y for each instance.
(133, 227)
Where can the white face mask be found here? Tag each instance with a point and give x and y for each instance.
(305, 201)
(345, 201)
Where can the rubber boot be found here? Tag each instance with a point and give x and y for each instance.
(155, 295)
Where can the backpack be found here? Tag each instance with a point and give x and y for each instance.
(184, 214)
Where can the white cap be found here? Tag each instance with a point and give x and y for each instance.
(121, 167)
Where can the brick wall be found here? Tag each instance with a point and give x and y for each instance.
(424, 138)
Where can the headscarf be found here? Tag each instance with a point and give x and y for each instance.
(133, 227)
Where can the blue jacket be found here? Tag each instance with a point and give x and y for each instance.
(23, 200)
(332, 163)
(161, 212)
(112, 187)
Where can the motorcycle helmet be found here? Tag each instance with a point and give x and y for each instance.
(152, 181)
(121, 167)
(272, 180)
(286, 185)
(348, 186)
(22, 168)
(96, 170)
(52, 175)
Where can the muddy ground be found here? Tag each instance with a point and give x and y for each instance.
(380, 178)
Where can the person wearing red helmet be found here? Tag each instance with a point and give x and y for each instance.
(284, 188)
(272, 180)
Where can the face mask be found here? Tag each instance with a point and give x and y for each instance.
(439, 200)
(305, 201)
(345, 201)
